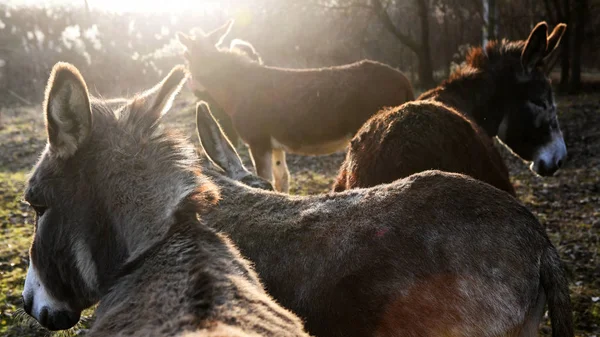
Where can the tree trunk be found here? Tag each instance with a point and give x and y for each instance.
(565, 45)
(489, 21)
(425, 65)
(420, 48)
(492, 24)
(449, 51)
(580, 16)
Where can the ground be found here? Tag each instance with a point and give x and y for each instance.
(568, 204)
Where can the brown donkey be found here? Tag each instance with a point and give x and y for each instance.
(502, 90)
(117, 198)
(200, 92)
(434, 254)
(278, 110)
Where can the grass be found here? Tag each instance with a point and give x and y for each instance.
(567, 204)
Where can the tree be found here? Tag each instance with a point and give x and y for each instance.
(489, 21)
(559, 11)
(421, 47)
(581, 7)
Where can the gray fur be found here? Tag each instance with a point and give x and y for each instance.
(429, 255)
(120, 214)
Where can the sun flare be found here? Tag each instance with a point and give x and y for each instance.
(148, 6)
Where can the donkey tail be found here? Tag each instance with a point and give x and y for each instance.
(556, 287)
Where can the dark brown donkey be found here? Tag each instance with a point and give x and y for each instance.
(502, 90)
(278, 110)
(434, 254)
(116, 197)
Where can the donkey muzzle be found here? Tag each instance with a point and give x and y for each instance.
(546, 169)
(550, 157)
(49, 319)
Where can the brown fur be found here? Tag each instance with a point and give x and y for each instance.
(306, 111)
(450, 127)
(420, 136)
(224, 119)
(433, 254)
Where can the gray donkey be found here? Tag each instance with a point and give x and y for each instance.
(434, 254)
(117, 197)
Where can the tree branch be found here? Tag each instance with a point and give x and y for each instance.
(383, 15)
(354, 4)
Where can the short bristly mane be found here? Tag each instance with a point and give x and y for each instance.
(502, 55)
(138, 140)
(132, 121)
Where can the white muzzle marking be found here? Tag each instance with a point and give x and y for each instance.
(550, 154)
(35, 291)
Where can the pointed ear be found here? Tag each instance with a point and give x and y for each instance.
(554, 38)
(217, 36)
(552, 50)
(68, 111)
(247, 48)
(186, 40)
(158, 100)
(535, 47)
(216, 145)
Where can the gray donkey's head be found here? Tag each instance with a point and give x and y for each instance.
(106, 184)
(221, 153)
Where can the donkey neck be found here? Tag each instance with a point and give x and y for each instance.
(238, 197)
(144, 211)
(236, 84)
(184, 276)
(475, 94)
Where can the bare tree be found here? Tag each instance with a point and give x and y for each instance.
(560, 11)
(420, 47)
(489, 21)
(581, 7)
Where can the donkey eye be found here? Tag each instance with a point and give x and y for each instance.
(39, 210)
(538, 103)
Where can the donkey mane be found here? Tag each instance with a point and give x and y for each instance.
(495, 50)
(479, 59)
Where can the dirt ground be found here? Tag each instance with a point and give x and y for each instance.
(568, 203)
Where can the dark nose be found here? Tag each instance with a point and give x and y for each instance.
(545, 169)
(43, 319)
(27, 304)
(60, 320)
(559, 163)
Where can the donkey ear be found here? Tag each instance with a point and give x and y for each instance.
(535, 47)
(186, 40)
(552, 50)
(247, 48)
(554, 38)
(159, 99)
(215, 144)
(68, 111)
(217, 36)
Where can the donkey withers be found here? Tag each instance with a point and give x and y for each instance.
(434, 254)
(117, 198)
(303, 111)
(503, 90)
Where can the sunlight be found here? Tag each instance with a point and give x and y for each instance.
(148, 6)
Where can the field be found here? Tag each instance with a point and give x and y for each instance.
(568, 203)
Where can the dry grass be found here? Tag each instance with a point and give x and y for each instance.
(568, 204)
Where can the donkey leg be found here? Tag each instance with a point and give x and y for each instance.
(261, 159)
(281, 172)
